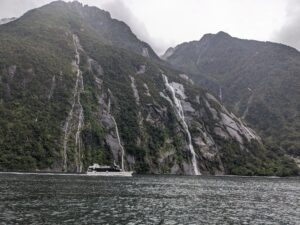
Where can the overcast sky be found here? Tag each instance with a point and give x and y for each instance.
(166, 23)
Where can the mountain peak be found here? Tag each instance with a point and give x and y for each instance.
(219, 35)
(81, 18)
(75, 6)
(75, 2)
(66, 3)
(168, 53)
(222, 34)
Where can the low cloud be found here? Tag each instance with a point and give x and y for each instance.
(117, 8)
(120, 11)
(16, 8)
(289, 33)
(174, 22)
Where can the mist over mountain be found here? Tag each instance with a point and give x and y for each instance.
(157, 22)
(6, 20)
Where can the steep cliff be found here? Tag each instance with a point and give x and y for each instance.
(78, 87)
(259, 81)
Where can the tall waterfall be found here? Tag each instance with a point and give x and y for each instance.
(76, 111)
(80, 116)
(120, 144)
(118, 135)
(179, 111)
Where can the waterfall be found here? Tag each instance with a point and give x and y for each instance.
(145, 52)
(120, 144)
(135, 91)
(80, 116)
(137, 100)
(67, 132)
(179, 110)
(118, 135)
(52, 87)
(220, 94)
(75, 109)
(77, 139)
(108, 106)
(249, 102)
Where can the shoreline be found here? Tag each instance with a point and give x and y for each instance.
(179, 175)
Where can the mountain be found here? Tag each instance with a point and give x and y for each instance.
(78, 87)
(259, 81)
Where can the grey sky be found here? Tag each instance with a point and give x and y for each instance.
(166, 23)
(290, 32)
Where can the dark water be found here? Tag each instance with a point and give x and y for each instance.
(54, 199)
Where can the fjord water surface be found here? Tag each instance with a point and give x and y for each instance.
(55, 199)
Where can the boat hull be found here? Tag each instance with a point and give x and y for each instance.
(111, 174)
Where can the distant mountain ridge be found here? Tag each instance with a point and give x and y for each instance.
(260, 81)
(78, 87)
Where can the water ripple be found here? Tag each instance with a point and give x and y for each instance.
(54, 199)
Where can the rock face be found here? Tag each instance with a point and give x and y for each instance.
(82, 95)
(259, 81)
(168, 53)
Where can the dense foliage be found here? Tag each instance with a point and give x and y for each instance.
(37, 85)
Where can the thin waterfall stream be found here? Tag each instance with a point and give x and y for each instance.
(118, 137)
(75, 108)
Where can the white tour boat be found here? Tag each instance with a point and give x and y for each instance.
(115, 170)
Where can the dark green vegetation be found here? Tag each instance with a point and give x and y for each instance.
(261, 162)
(40, 102)
(260, 81)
